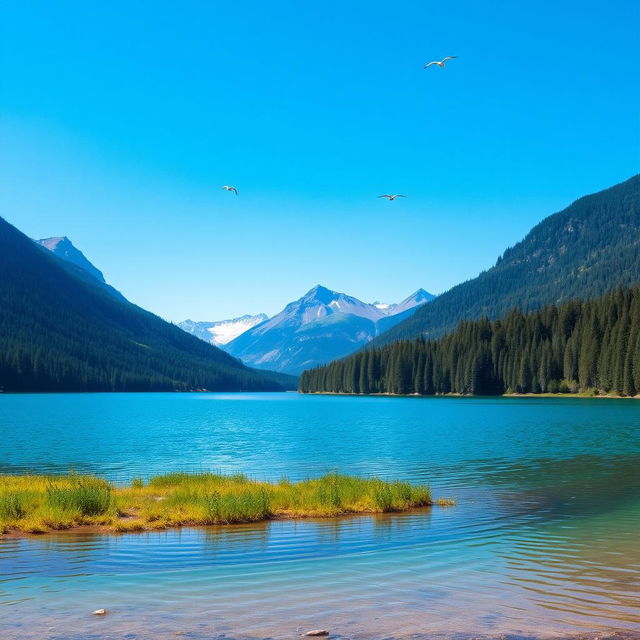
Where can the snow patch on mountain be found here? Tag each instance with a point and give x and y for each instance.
(221, 332)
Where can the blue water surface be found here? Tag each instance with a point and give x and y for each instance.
(543, 538)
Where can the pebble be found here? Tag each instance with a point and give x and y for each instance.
(99, 612)
(317, 632)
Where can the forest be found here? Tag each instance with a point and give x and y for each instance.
(588, 346)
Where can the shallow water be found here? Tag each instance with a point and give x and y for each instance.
(543, 539)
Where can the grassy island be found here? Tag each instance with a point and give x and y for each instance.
(37, 504)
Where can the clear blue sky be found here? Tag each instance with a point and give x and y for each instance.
(121, 121)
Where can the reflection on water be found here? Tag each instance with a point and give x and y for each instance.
(543, 540)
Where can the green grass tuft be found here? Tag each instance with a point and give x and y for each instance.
(86, 495)
(13, 505)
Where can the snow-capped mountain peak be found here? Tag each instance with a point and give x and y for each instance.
(320, 302)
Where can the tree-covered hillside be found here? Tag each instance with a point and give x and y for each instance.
(576, 346)
(582, 252)
(61, 332)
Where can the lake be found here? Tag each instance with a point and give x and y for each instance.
(543, 539)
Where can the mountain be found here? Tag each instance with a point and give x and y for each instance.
(414, 300)
(63, 248)
(396, 313)
(221, 332)
(62, 331)
(319, 327)
(581, 252)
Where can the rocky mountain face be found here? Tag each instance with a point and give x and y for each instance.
(75, 262)
(63, 248)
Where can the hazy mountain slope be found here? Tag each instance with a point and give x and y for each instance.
(59, 332)
(221, 332)
(318, 327)
(583, 251)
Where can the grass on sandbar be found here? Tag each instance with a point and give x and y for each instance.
(36, 504)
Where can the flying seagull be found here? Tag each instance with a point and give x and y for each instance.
(440, 63)
(226, 187)
(392, 197)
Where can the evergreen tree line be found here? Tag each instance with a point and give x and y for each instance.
(577, 346)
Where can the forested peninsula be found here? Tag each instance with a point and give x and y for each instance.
(588, 346)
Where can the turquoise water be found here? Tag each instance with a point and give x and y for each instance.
(543, 539)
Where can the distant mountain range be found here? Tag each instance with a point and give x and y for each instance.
(318, 327)
(62, 328)
(221, 332)
(582, 252)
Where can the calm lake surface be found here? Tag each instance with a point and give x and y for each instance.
(544, 539)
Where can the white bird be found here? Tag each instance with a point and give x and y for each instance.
(440, 63)
(226, 187)
(392, 197)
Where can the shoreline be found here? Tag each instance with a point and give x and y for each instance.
(106, 530)
(335, 632)
(585, 396)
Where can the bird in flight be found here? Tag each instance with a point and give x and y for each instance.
(440, 63)
(392, 197)
(227, 187)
